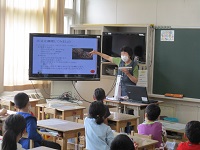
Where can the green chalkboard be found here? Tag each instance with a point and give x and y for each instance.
(177, 63)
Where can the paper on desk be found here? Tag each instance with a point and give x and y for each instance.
(50, 122)
(174, 126)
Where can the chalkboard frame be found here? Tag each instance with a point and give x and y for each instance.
(176, 62)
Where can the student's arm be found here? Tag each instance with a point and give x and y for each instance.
(107, 57)
(31, 129)
(110, 136)
(106, 115)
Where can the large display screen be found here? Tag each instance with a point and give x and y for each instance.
(64, 57)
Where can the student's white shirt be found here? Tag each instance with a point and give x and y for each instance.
(98, 137)
(19, 147)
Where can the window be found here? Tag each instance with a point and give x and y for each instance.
(69, 14)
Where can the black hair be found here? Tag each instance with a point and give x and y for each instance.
(99, 94)
(153, 112)
(21, 100)
(13, 126)
(97, 110)
(122, 142)
(128, 50)
(192, 131)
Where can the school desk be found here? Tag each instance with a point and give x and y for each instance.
(137, 107)
(9, 112)
(64, 110)
(9, 102)
(68, 129)
(143, 143)
(178, 128)
(121, 120)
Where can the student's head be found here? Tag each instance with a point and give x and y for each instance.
(192, 131)
(152, 112)
(14, 127)
(99, 94)
(122, 142)
(97, 110)
(126, 53)
(21, 100)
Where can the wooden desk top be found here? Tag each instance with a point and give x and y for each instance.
(142, 142)
(115, 116)
(60, 125)
(42, 148)
(11, 99)
(9, 112)
(112, 101)
(137, 104)
(173, 126)
(61, 107)
(129, 103)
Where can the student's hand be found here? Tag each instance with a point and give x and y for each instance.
(135, 145)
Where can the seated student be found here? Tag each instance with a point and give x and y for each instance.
(150, 126)
(14, 127)
(21, 101)
(98, 135)
(122, 142)
(192, 133)
(99, 95)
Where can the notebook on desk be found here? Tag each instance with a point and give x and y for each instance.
(138, 94)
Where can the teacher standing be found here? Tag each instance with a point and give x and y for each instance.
(129, 76)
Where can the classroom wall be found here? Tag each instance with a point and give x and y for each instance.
(158, 12)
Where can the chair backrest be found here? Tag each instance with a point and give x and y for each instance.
(141, 135)
(79, 120)
(6, 104)
(50, 111)
(31, 144)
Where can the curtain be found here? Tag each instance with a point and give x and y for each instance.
(21, 18)
(2, 43)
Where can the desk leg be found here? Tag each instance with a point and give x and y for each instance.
(39, 114)
(63, 115)
(82, 114)
(43, 115)
(117, 127)
(137, 113)
(64, 143)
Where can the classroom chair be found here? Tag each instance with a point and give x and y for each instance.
(6, 104)
(81, 138)
(31, 144)
(141, 135)
(51, 113)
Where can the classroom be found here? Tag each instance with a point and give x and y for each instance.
(18, 18)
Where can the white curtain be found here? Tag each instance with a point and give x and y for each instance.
(21, 18)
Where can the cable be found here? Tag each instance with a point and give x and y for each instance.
(112, 87)
(79, 94)
(36, 90)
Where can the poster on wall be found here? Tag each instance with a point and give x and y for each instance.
(167, 35)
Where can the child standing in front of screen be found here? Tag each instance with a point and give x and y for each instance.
(98, 135)
(151, 127)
